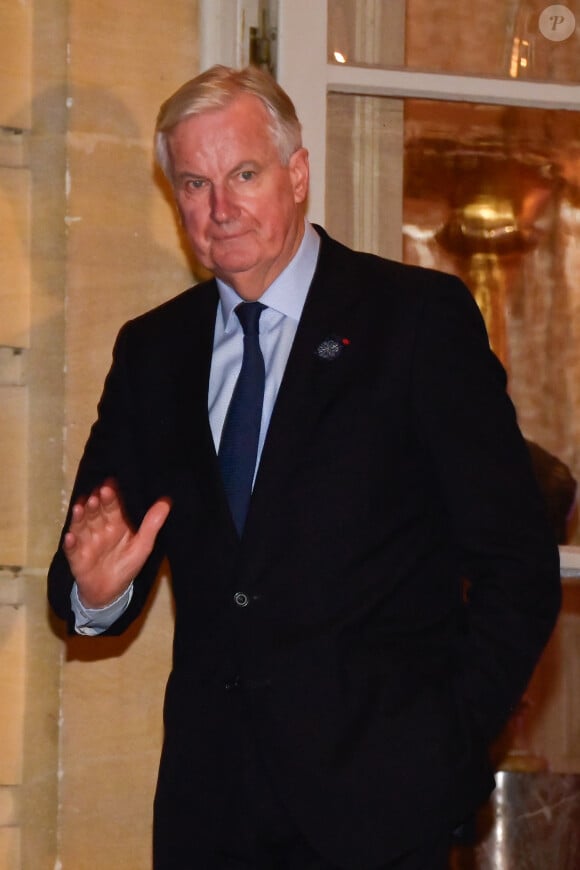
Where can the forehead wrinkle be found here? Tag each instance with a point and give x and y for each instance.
(214, 154)
(215, 141)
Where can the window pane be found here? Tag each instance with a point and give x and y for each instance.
(491, 194)
(529, 39)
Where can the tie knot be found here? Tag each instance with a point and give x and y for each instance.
(249, 315)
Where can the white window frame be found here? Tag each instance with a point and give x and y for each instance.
(303, 71)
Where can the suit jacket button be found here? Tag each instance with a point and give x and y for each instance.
(230, 685)
(241, 599)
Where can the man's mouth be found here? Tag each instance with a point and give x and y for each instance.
(229, 237)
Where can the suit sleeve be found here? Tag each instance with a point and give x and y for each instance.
(112, 450)
(507, 551)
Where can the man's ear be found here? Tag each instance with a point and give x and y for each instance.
(299, 174)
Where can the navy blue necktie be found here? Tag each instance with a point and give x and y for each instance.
(239, 441)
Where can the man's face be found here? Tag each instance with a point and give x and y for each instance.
(241, 209)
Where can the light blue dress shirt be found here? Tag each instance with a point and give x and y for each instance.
(284, 299)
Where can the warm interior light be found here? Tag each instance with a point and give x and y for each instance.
(519, 57)
(339, 57)
(488, 215)
(515, 58)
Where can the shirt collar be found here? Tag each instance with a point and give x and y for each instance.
(287, 293)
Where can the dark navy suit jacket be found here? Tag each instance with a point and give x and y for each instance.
(399, 578)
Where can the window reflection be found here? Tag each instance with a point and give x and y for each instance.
(489, 193)
(505, 38)
(492, 194)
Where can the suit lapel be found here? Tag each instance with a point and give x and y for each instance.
(317, 367)
(195, 456)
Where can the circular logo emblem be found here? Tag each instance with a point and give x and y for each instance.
(557, 23)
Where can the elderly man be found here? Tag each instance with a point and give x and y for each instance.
(321, 443)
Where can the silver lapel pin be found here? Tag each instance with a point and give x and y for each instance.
(331, 348)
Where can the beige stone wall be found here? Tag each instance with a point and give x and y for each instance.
(88, 240)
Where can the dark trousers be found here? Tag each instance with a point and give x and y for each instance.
(256, 832)
(297, 855)
(264, 837)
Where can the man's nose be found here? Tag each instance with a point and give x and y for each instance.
(223, 204)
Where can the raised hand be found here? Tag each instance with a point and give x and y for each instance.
(103, 550)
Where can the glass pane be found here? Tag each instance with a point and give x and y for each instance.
(529, 39)
(491, 194)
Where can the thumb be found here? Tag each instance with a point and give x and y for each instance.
(153, 521)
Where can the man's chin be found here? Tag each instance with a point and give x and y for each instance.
(232, 263)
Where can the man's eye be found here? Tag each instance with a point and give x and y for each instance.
(247, 174)
(195, 183)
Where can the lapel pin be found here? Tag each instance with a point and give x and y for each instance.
(331, 347)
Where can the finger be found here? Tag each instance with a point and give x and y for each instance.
(78, 512)
(153, 521)
(77, 519)
(93, 507)
(160, 510)
(103, 505)
(69, 542)
(110, 502)
(109, 491)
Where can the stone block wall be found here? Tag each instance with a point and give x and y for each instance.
(88, 240)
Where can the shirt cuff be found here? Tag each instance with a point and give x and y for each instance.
(92, 621)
